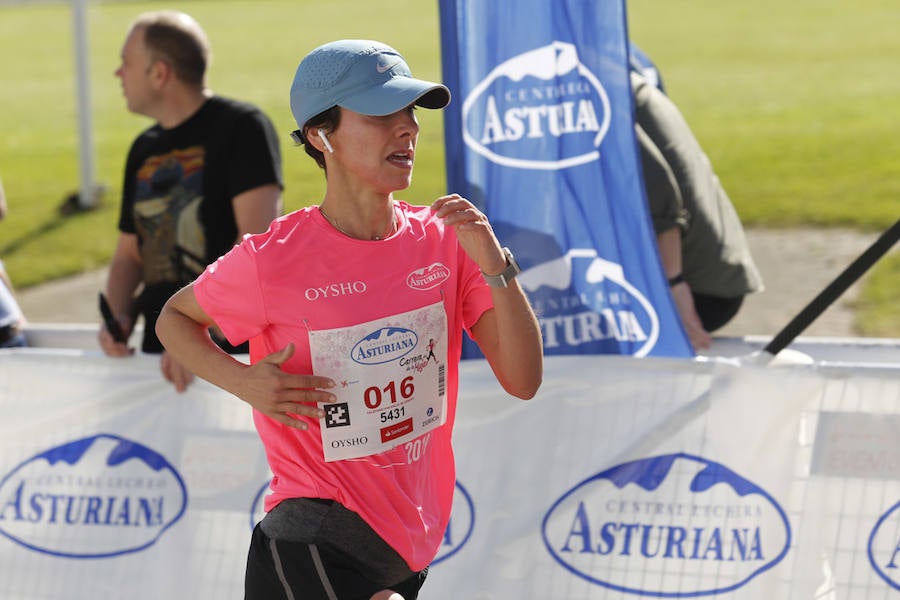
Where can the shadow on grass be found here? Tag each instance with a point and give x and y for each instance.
(70, 208)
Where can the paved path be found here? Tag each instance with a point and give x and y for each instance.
(796, 265)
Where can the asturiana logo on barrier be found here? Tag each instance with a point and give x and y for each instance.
(884, 547)
(460, 527)
(668, 526)
(96, 497)
(542, 109)
(384, 345)
(585, 302)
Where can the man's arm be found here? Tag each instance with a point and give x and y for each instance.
(255, 209)
(122, 281)
(669, 242)
(666, 208)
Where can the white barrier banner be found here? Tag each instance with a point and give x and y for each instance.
(624, 478)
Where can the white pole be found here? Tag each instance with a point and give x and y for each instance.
(87, 196)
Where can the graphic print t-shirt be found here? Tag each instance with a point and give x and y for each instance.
(177, 194)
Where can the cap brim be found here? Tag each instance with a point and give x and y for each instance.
(396, 94)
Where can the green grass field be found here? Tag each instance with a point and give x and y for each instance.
(795, 103)
(798, 106)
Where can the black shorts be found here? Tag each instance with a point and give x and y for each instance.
(317, 569)
(715, 311)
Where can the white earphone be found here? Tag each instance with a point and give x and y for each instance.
(324, 140)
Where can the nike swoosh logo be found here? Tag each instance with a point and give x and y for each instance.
(383, 68)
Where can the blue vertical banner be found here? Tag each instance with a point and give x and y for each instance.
(540, 136)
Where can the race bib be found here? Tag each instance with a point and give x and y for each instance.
(391, 381)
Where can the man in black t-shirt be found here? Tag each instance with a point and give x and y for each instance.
(204, 174)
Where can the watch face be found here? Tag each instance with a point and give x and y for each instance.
(513, 269)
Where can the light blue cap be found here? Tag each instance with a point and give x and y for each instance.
(364, 76)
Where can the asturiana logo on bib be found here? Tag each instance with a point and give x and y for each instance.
(584, 301)
(428, 277)
(384, 345)
(539, 110)
(96, 497)
(884, 547)
(627, 527)
(460, 527)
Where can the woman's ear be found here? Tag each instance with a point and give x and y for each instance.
(317, 137)
(320, 133)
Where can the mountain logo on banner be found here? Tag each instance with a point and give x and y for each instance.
(542, 109)
(97, 497)
(884, 547)
(460, 527)
(621, 529)
(599, 309)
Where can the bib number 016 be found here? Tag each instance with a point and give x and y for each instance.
(375, 396)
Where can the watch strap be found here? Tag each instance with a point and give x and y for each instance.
(502, 279)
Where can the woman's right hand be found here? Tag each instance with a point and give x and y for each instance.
(284, 396)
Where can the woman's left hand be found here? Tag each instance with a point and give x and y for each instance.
(508, 333)
(473, 230)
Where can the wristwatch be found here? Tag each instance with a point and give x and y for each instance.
(509, 273)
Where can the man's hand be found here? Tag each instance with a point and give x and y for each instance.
(109, 345)
(175, 372)
(684, 301)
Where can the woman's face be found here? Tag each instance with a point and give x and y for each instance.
(376, 152)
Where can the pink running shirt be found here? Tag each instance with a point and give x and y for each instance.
(304, 275)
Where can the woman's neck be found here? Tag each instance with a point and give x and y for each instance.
(361, 220)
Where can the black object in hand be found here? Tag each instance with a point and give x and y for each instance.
(111, 324)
